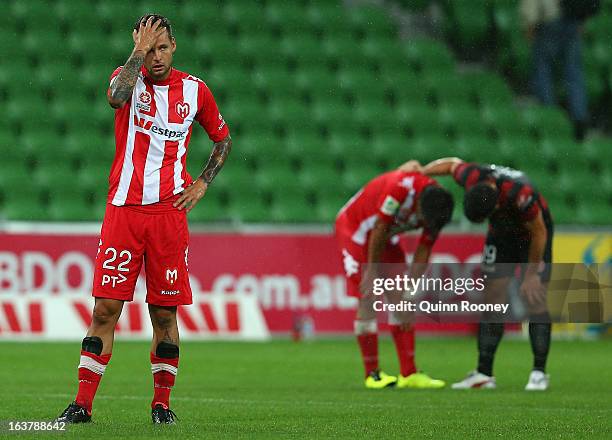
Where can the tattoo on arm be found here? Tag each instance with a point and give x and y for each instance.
(217, 159)
(122, 87)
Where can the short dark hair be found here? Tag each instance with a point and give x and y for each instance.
(165, 23)
(479, 202)
(436, 206)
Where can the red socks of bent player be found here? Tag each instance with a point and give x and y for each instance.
(91, 369)
(404, 345)
(368, 344)
(164, 373)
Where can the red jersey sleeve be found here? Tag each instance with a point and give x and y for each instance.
(208, 115)
(390, 200)
(112, 77)
(526, 204)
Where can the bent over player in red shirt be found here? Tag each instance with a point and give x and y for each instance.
(150, 193)
(367, 230)
(520, 233)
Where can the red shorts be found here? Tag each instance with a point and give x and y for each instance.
(354, 255)
(158, 235)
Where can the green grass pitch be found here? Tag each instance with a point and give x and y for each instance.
(314, 390)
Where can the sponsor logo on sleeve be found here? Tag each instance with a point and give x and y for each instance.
(390, 206)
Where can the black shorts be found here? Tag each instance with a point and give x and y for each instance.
(505, 252)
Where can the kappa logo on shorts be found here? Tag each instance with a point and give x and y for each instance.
(171, 275)
(182, 109)
(170, 292)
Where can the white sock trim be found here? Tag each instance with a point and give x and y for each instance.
(92, 365)
(363, 327)
(156, 368)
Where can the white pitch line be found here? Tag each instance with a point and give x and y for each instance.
(311, 402)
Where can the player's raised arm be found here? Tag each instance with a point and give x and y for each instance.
(194, 192)
(412, 166)
(442, 167)
(123, 84)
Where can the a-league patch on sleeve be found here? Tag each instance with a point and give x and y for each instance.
(389, 206)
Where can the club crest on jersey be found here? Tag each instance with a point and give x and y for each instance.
(182, 109)
(171, 275)
(144, 101)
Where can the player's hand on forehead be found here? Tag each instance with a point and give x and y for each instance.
(149, 31)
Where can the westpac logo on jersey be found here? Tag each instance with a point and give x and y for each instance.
(149, 126)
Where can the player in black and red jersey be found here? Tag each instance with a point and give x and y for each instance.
(520, 233)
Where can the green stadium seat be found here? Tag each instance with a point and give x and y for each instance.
(529, 158)
(504, 121)
(292, 210)
(333, 113)
(471, 24)
(564, 153)
(429, 55)
(598, 151)
(361, 83)
(385, 51)
(288, 17)
(249, 211)
(209, 210)
(246, 114)
(329, 17)
(349, 146)
(448, 88)
(307, 151)
(489, 88)
(23, 201)
(430, 146)
(11, 48)
(547, 121)
(327, 209)
(476, 149)
(371, 20)
(276, 81)
(318, 177)
(420, 120)
(511, 149)
(306, 50)
(268, 178)
(358, 175)
(290, 112)
(263, 49)
(320, 82)
(461, 119)
(343, 49)
(391, 146)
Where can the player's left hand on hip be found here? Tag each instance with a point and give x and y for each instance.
(533, 289)
(191, 195)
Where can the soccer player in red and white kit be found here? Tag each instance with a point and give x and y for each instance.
(146, 216)
(520, 234)
(367, 230)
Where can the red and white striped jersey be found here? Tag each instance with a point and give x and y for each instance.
(152, 132)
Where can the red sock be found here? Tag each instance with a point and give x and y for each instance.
(91, 369)
(164, 373)
(404, 345)
(368, 343)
